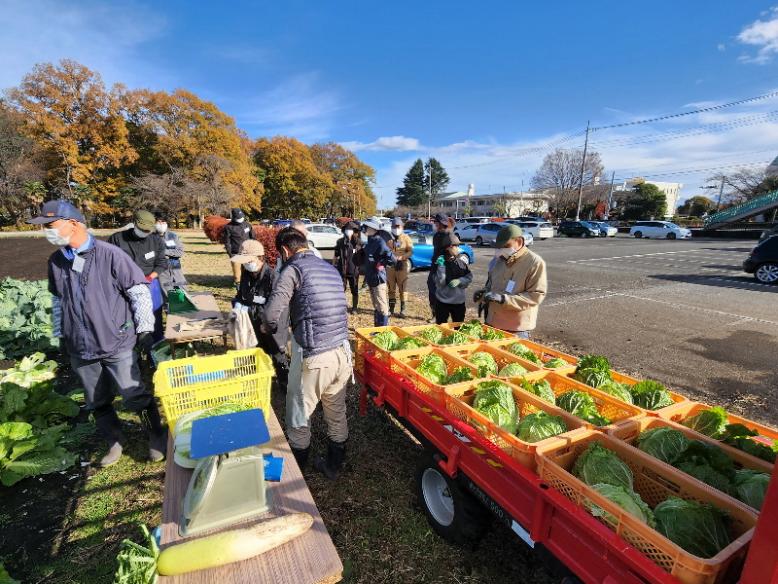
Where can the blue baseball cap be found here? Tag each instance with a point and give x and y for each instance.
(54, 210)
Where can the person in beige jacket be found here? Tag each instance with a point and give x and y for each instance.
(516, 285)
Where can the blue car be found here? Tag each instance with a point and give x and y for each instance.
(422, 252)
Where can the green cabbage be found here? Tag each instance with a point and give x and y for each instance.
(710, 422)
(460, 375)
(598, 465)
(524, 352)
(582, 405)
(698, 528)
(618, 390)
(625, 498)
(431, 334)
(492, 335)
(650, 395)
(512, 370)
(666, 444)
(409, 343)
(707, 474)
(594, 362)
(539, 426)
(433, 367)
(541, 388)
(386, 340)
(707, 463)
(472, 328)
(750, 487)
(555, 363)
(485, 363)
(455, 338)
(495, 400)
(591, 376)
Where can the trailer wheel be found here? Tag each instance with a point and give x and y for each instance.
(453, 513)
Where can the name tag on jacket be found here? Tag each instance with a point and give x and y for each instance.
(149, 255)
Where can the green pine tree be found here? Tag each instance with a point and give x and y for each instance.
(412, 193)
(434, 172)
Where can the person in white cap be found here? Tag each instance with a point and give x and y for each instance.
(402, 246)
(377, 257)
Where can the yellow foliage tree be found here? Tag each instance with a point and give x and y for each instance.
(352, 179)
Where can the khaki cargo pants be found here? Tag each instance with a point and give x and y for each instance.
(380, 301)
(397, 280)
(323, 378)
(236, 271)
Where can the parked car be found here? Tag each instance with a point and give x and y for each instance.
(578, 229)
(480, 233)
(323, 236)
(539, 229)
(466, 221)
(659, 230)
(422, 252)
(420, 228)
(763, 261)
(606, 230)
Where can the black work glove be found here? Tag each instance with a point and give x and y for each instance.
(145, 342)
(478, 295)
(494, 297)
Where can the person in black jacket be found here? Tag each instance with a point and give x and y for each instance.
(346, 261)
(256, 285)
(444, 225)
(235, 233)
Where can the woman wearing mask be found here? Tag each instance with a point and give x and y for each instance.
(345, 261)
(398, 274)
(377, 258)
(255, 287)
(172, 277)
(452, 276)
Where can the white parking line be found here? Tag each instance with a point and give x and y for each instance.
(637, 255)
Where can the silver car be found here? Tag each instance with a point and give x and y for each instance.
(486, 234)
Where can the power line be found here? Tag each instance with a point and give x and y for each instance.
(696, 170)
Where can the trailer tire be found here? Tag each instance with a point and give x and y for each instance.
(453, 513)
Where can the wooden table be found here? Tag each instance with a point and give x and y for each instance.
(308, 559)
(206, 308)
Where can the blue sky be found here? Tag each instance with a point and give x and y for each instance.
(474, 84)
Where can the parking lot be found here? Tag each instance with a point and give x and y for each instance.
(682, 312)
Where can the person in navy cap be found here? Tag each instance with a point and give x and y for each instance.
(101, 310)
(377, 257)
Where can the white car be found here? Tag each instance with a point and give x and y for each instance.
(659, 230)
(465, 222)
(606, 229)
(538, 229)
(486, 234)
(323, 236)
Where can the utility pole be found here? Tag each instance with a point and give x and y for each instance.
(610, 196)
(580, 179)
(429, 202)
(721, 192)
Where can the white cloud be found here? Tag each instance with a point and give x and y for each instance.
(394, 143)
(721, 47)
(762, 34)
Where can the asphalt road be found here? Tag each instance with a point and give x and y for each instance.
(681, 312)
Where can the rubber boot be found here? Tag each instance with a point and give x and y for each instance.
(354, 303)
(392, 304)
(378, 318)
(151, 420)
(301, 456)
(109, 427)
(402, 309)
(336, 454)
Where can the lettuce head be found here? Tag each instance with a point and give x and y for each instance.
(495, 400)
(512, 370)
(485, 363)
(698, 528)
(539, 426)
(625, 498)
(597, 465)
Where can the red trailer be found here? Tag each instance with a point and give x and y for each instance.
(461, 473)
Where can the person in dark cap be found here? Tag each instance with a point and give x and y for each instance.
(377, 257)
(452, 276)
(444, 225)
(235, 233)
(101, 308)
(397, 275)
(173, 276)
(345, 261)
(516, 285)
(147, 249)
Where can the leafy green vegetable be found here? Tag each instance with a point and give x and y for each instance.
(5, 577)
(25, 318)
(409, 343)
(698, 528)
(512, 370)
(650, 395)
(541, 388)
(495, 400)
(433, 367)
(750, 487)
(29, 371)
(386, 340)
(617, 390)
(741, 437)
(492, 335)
(459, 375)
(455, 338)
(137, 563)
(597, 465)
(431, 334)
(582, 405)
(625, 498)
(555, 363)
(472, 328)
(594, 362)
(485, 363)
(592, 376)
(710, 422)
(707, 474)
(25, 452)
(524, 352)
(666, 444)
(539, 426)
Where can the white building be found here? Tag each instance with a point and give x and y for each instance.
(511, 204)
(671, 190)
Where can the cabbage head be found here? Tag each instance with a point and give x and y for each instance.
(593, 377)
(698, 528)
(554, 363)
(750, 487)
(455, 338)
(492, 335)
(485, 363)
(594, 362)
(524, 352)
(410, 343)
(598, 465)
(582, 405)
(431, 334)
(650, 395)
(433, 367)
(666, 444)
(541, 388)
(707, 474)
(539, 426)
(627, 499)
(386, 340)
(495, 400)
(710, 422)
(617, 390)
(472, 328)
(512, 370)
(460, 375)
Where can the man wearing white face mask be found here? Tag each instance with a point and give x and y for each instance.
(346, 262)
(397, 275)
(172, 277)
(235, 233)
(516, 285)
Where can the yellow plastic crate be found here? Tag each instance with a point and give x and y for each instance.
(197, 383)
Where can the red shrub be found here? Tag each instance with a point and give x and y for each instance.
(267, 237)
(213, 225)
(341, 221)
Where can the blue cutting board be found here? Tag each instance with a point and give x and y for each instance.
(220, 434)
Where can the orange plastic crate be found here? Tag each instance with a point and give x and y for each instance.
(414, 331)
(459, 399)
(364, 344)
(502, 358)
(502, 334)
(682, 411)
(405, 363)
(544, 353)
(655, 482)
(617, 411)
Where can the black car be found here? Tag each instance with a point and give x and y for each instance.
(577, 229)
(763, 261)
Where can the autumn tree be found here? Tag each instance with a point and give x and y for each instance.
(745, 184)
(352, 179)
(411, 194)
(696, 206)
(294, 186)
(560, 174)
